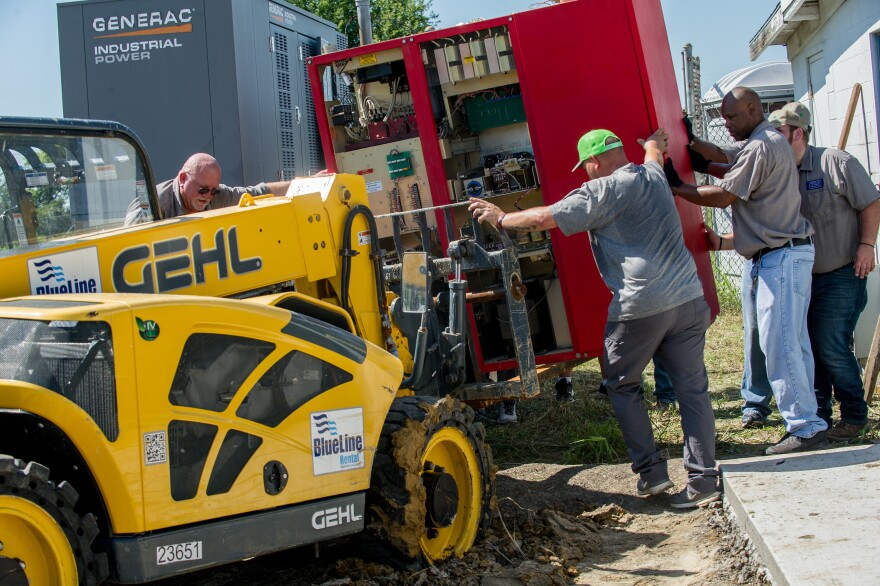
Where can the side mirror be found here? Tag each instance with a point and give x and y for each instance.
(415, 282)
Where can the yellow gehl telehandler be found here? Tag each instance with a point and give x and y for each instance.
(212, 387)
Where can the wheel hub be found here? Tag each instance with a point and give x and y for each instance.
(12, 572)
(442, 496)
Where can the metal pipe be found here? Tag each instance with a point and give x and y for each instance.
(365, 22)
(686, 55)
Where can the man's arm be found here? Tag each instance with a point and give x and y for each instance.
(528, 220)
(718, 170)
(869, 222)
(278, 188)
(709, 151)
(710, 196)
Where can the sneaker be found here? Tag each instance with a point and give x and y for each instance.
(688, 500)
(844, 431)
(564, 391)
(507, 412)
(752, 420)
(650, 489)
(792, 443)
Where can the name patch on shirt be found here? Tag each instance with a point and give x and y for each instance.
(815, 184)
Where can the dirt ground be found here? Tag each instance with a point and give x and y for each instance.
(555, 525)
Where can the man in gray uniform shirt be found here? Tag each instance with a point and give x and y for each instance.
(843, 206)
(196, 188)
(759, 181)
(657, 305)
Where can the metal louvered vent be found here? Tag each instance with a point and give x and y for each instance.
(283, 81)
(281, 43)
(286, 115)
(314, 155)
(342, 92)
(288, 140)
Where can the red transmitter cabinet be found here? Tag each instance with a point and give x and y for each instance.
(494, 109)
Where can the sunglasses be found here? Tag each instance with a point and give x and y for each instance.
(203, 189)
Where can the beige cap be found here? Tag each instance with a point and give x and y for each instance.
(792, 114)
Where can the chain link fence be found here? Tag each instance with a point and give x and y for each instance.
(727, 265)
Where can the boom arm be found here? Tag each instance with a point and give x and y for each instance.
(263, 245)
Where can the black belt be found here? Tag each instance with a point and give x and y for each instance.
(790, 244)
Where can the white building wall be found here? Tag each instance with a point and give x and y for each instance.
(842, 49)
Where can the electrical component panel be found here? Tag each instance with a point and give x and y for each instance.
(491, 109)
(399, 165)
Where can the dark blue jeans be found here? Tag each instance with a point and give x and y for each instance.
(838, 299)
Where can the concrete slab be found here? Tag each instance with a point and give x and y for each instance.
(814, 517)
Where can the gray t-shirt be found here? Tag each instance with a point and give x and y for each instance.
(637, 240)
(171, 206)
(834, 189)
(766, 212)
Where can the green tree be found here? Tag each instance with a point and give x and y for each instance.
(391, 18)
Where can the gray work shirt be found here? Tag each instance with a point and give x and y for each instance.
(834, 189)
(171, 206)
(636, 236)
(764, 179)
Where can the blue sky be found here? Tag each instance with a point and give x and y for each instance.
(30, 80)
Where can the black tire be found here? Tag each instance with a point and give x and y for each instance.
(31, 482)
(416, 430)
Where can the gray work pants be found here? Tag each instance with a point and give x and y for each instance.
(677, 336)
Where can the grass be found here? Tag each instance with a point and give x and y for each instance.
(586, 432)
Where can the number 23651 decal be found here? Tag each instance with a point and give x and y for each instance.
(178, 552)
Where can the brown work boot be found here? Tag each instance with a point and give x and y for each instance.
(842, 432)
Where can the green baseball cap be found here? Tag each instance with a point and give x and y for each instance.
(595, 143)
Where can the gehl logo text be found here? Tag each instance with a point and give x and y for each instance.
(180, 263)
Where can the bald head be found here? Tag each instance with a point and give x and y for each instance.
(742, 112)
(744, 94)
(200, 162)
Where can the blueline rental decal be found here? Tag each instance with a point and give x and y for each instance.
(160, 24)
(337, 440)
(65, 272)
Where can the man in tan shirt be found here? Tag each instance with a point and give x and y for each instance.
(759, 182)
(843, 205)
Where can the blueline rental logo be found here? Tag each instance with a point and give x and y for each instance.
(66, 272)
(337, 440)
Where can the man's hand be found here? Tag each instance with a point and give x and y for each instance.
(671, 174)
(699, 163)
(688, 127)
(659, 138)
(863, 260)
(713, 239)
(485, 211)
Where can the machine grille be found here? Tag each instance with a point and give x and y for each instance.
(73, 359)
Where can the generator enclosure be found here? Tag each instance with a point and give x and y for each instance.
(495, 109)
(225, 77)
